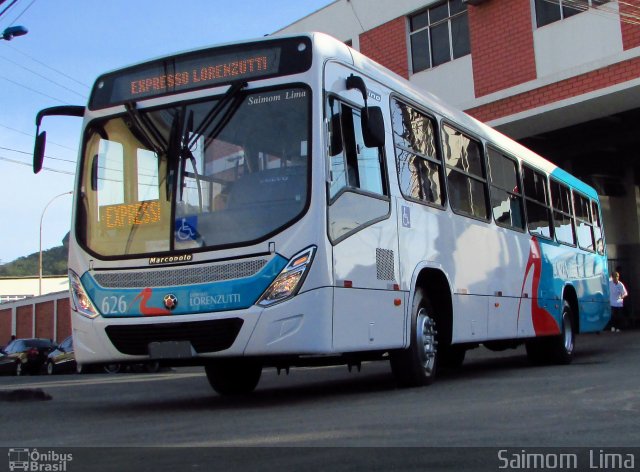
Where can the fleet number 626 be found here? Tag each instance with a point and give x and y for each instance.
(114, 305)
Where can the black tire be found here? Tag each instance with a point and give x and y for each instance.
(537, 351)
(112, 368)
(555, 349)
(452, 357)
(416, 366)
(234, 376)
(562, 346)
(152, 367)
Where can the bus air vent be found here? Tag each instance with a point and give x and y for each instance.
(384, 264)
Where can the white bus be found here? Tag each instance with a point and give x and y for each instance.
(289, 202)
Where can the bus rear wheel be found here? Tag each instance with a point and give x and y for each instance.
(234, 376)
(555, 349)
(416, 366)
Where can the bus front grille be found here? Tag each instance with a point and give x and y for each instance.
(179, 277)
(204, 336)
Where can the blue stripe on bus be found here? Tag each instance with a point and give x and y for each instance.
(188, 299)
(577, 184)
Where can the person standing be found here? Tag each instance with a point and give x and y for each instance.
(617, 294)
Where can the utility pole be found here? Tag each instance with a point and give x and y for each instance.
(40, 259)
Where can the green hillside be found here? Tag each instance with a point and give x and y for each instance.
(54, 262)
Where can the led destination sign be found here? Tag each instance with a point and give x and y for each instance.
(245, 68)
(200, 69)
(126, 215)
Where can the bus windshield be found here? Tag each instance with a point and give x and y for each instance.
(220, 172)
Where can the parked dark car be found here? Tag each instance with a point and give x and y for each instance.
(62, 359)
(24, 356)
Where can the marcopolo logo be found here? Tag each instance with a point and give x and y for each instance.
(170, 259)
(38, 461)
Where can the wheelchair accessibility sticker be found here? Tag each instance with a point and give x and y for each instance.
(406, 217)
(186, 228)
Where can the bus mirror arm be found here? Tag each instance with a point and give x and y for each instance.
(372, 119)
(355, 82)
(41, 137)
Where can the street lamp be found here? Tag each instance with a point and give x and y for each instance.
(13, 31)
(40, 260)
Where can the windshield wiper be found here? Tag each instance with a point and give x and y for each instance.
(149, 131)
(224, 102)
(184, 137)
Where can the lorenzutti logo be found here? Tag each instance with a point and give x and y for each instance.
(203, 299)
(170, 301)
(170, 259)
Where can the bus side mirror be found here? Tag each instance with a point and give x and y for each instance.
(41, 137)
(38, 151)
(373, 127)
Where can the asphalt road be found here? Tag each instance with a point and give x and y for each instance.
(496, 400)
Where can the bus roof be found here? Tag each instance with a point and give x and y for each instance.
(327, 45)
(332, 48)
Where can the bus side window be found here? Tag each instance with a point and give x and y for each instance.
(584, 226)
(506, 196)
(597, 228)
(537, 201)
(562, 213)
(466, 177)
(353, 164)
(418, 164)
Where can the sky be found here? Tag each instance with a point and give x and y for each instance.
(70, 43)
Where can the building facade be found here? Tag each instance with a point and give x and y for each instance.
(17, 288)
(560, 76)
(47, 316)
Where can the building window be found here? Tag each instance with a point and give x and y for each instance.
(439, 34)
(548, 11)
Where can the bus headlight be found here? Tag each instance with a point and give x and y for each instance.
(81, 301)
(290, 279)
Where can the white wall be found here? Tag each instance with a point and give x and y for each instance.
(577, 41)
(29, 286)
(347, 19)
(452, 81)
(563, 49)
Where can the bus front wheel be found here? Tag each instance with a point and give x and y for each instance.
(233, 376)
(416, 366)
